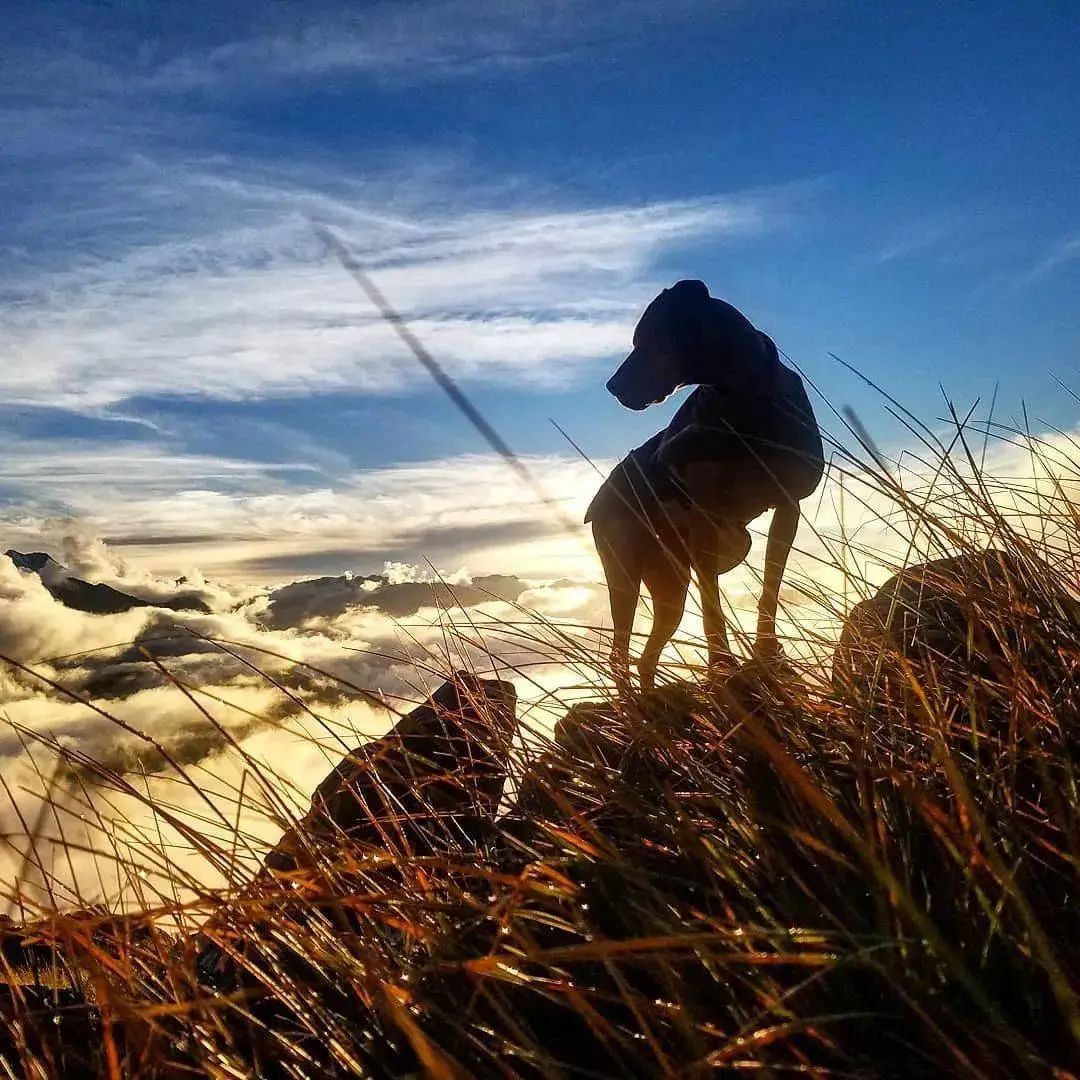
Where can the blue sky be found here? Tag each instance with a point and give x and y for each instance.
(181, 360)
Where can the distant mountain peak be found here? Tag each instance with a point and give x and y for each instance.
(34, 561)
(329, 597)
(95, 599)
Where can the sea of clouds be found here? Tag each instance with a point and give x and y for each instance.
(282, 680)
(163, 736)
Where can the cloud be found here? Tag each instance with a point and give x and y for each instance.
(285, 705)
(526, 296)
(1063, 252)
(165, 267)
(402, 40)
(334, 638)
(244, 521)
(66, 467)
(111, 687)
(388, 41)
(918, 237)
(86, 556)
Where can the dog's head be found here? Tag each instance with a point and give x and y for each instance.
(664, 345)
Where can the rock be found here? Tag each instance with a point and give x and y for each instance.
(429, 787)
(598, 747)
(432, 783)
(966, 625)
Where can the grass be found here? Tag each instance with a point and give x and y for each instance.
(773, 873)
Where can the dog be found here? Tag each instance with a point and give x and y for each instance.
(744, 442)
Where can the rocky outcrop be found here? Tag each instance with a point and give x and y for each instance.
(389, 826)
(968, 609)
(959, 643)
(432, 783)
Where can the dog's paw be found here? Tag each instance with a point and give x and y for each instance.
(722, 667)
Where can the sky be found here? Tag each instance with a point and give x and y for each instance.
(188, 373)
(191, 386)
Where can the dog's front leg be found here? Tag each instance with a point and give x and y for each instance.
(785, 524)
(704, 543)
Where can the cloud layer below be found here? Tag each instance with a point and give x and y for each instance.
(295, 674)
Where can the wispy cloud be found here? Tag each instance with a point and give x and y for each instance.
(68, 54)
(924, 235)
(1063, 252)
(410, 41)
(159, 265)
(69, 471)
(257, 310)
(252, 521)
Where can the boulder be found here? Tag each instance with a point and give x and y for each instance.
(430, 787)
(601, 752)
(959, 632)
(431, 784)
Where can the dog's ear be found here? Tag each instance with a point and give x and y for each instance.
(689, 294)
(688, 303)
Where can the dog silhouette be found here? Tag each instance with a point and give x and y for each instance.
(744, 442)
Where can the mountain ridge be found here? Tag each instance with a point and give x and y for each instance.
(94, 598)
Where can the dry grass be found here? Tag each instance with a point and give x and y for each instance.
(769, 873)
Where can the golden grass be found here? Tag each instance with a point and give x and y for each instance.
(766, 873)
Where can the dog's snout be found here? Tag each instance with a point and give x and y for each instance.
(622, 389)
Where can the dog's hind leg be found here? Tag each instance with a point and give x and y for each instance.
(667, 577)
(621, 558)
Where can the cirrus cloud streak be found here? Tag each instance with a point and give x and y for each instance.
(521, 297)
